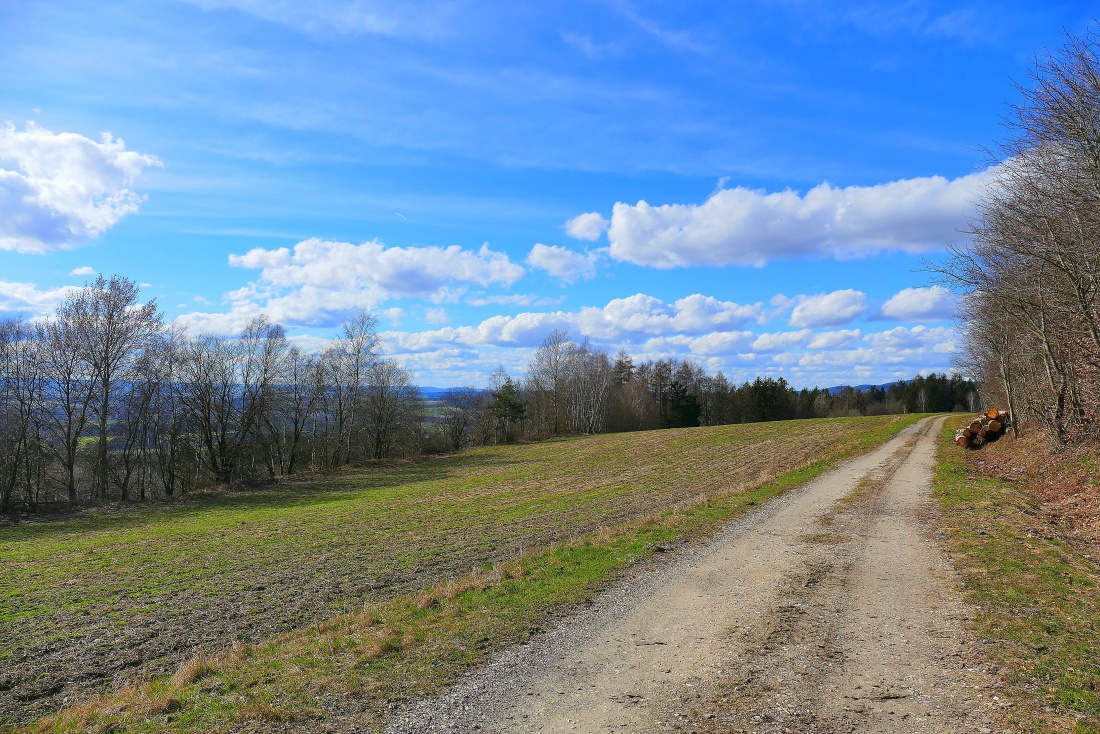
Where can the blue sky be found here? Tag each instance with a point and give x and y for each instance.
(751, 185)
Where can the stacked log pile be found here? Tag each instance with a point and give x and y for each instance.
(985, 427)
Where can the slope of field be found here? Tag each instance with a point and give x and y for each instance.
(1021, 522)
(89, 604)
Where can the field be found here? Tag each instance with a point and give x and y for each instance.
(1021, 524)
(374, 584)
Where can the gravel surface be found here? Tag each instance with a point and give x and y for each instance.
(828, 610)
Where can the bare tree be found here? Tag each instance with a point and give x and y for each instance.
(391, 407)
(68, 390)
(546, 385)
(112, 329)
(350, 360)
(460, 408)
(20, 384)
(1028, 279)
(296, 393)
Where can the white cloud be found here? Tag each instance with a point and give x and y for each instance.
(635, 318)
(58, 190)
(321, 282)
(834, 339)
(562, 263)
(918, 304)
(26, 299)
(641, 314)
(393, 315)
(937, 338)
(436, 316)
(721, 342)
(587, 226)
(829, 309)
(85, 270)
(781, 341)
(515, 299)
(741, 226)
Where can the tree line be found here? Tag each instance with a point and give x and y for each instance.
(571, 387)
(104, 401)
(1028, 278)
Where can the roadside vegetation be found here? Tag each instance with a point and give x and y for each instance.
(334, 598)
(1029, 295)
(1020, 521)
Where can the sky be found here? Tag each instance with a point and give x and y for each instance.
(760, 187)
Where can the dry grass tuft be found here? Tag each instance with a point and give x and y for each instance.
(192, 670)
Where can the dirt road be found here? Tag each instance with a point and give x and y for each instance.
(829, 610)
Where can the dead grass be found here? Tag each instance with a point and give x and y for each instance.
(1066, 483)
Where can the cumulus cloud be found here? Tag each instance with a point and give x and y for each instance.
(635, 318)
(741, 226)
(781, 341)
(393, 315)
(834, 339)
(436, 316)
(938, 338)
(829, 309)
(320, 282)
(646, 327)
(59, 190)
(918, 304)
(28, 300)
(84, 270)
(562, 263)
(721, 342)
(588, 226)
(641, 314)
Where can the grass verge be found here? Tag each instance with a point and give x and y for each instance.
(352, 669)
(1039, 599)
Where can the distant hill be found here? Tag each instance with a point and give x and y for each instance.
(435, 393)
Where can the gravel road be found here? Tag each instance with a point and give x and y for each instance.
(828, 610)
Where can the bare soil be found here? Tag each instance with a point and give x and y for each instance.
(830, 610)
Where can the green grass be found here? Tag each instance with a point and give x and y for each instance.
(1038, 598)
(447, 534)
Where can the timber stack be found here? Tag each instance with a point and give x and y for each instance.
(982, 428)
